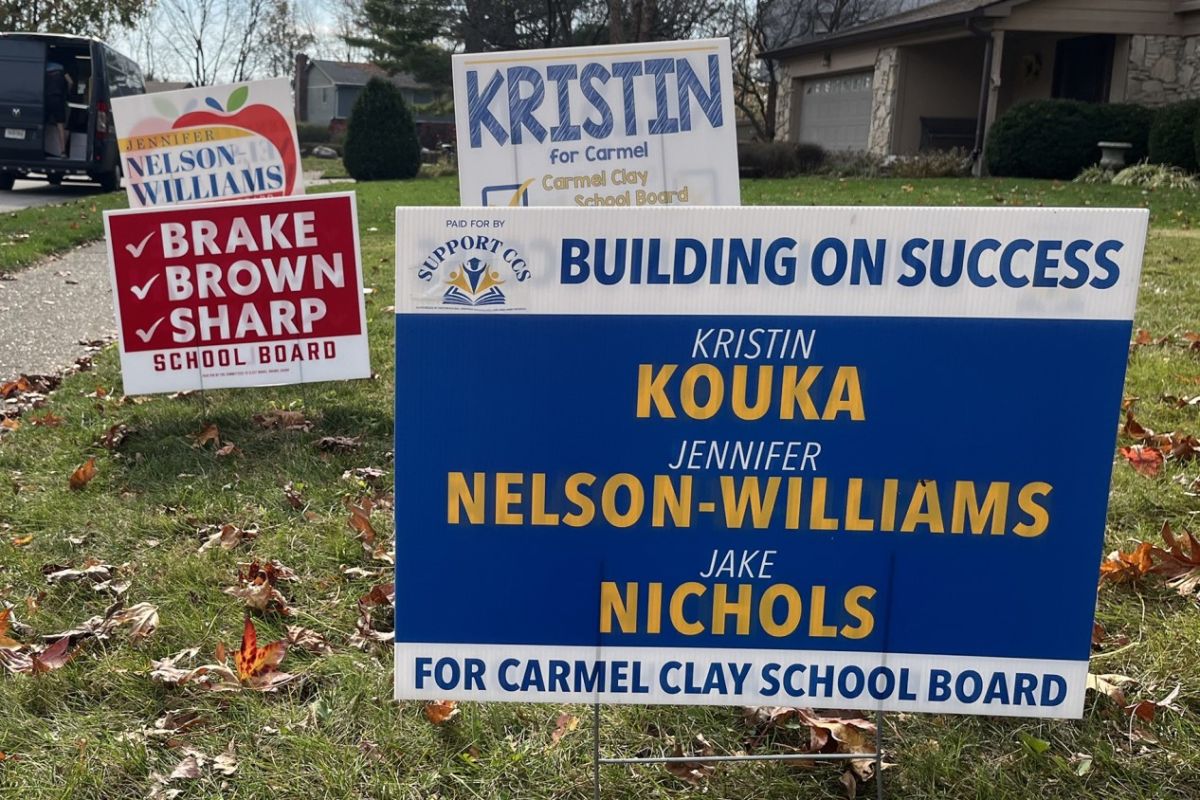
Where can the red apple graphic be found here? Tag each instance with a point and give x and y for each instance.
(258, 118)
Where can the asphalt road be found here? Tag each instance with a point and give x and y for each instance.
(26, 194)
(47, 309)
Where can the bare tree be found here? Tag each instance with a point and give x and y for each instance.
(286, 32)
(762, 25)
(211, 40)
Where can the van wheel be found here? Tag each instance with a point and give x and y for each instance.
(6, 182)
(109, 181)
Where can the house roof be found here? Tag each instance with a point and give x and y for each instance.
(166, 86)
(944, 13)
(353, 73)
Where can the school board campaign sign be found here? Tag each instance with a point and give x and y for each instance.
(209, 143)
(249, 293)
(618, 125)
(763, 456)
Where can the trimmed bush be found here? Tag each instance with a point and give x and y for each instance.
(1044, 139)
(779, 159)
(1173, 135)
(312, 133)
(381, 137)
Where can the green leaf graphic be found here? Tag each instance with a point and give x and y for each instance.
(165, 107)
(237, 98)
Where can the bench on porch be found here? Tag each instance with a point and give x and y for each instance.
(947, 133)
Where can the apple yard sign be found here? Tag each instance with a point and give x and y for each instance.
(210, 143)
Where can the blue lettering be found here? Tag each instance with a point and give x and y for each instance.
(479, 114)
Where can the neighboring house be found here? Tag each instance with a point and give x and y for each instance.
(937, 77)
(326, 90)
(166, 86)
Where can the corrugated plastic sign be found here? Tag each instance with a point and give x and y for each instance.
(761, 456)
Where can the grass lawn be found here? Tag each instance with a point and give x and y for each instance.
(87, 730)
(331, 168)
(31, 233)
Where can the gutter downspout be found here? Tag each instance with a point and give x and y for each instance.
(984, 91)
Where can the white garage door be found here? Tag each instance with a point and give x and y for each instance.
(835, 112)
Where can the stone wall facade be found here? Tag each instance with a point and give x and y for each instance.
(1163, 69)
(783, 103)
(883, 101)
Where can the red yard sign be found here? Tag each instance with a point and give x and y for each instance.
(244, 293)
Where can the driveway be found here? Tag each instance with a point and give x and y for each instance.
(26, 194)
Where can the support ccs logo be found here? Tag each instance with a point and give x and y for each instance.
(475, 272)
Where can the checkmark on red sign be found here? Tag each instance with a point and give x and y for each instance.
(145, 336)
(136, 250)
(140, 292)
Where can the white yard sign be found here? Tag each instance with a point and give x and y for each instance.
(233, 142)
(620, 125)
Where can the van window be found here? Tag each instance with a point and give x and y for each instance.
(22, 65)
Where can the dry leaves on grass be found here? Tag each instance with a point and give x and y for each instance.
(1144, 459)
(257, 586)
(256, 667)
(190, 767)
(1128, 567)
(564, 724)
(47, 420)
(284, 420)
(226, 537)
(6, 641)
(693, 772)
(365, 633)
(142, 619)
(209, 433)
(31, 660)
(1138, 714)
(824, 735)
(1180, 562)
(115, 436)
(339, 444)
(439, 712)
(360, 523)
(308, 640)
(91, 569)
(83, 474)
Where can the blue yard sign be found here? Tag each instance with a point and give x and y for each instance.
(784, 456)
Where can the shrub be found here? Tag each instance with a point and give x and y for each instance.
(1044, 139)
(1173, 135)
(1155, 176)
(779, 159)
(953, 163)
(1125, 122)
(381, 137)
(1095, 175)
(312, 133)
(853, 164)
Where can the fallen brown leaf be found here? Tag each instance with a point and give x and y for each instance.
(209, 433)
(1128, 567)
(1144, 459)
(1180, 562)
(283, 420)
(692, 772)
(562, 726)
(227, 536)
(83, 474)
(439, 712)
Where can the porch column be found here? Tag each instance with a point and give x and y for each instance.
(883, 101)
(993, 96)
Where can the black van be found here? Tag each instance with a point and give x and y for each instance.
(30, 146)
